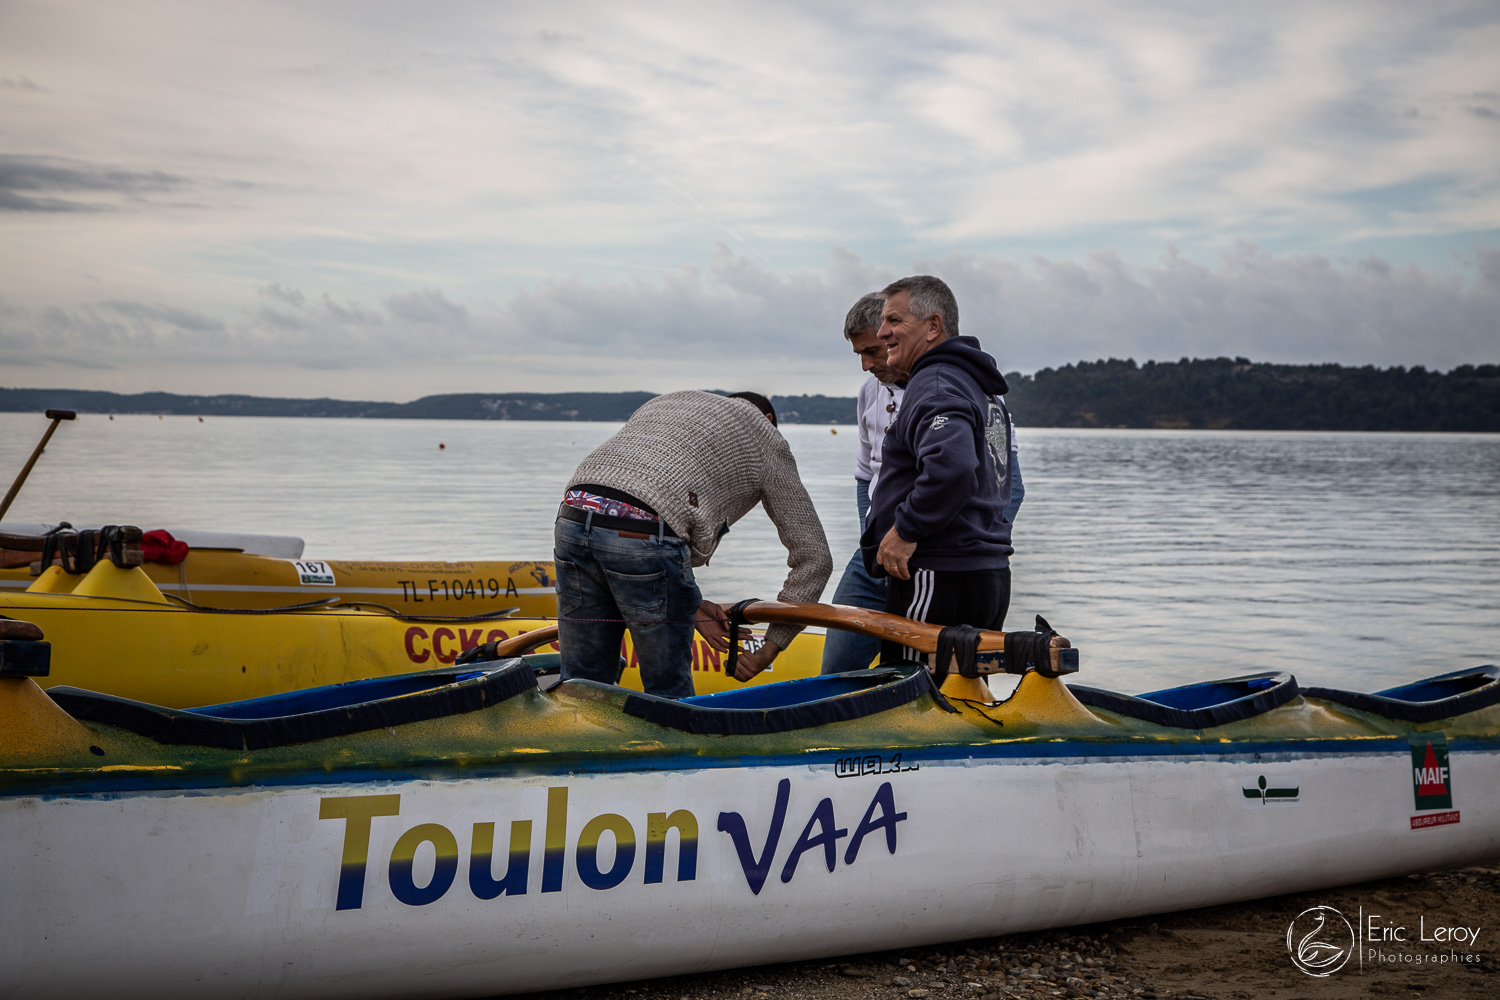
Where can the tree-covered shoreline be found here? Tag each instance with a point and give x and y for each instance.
(1199, 393)
(1236, 394)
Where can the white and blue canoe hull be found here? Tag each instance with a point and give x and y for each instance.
(637, 872)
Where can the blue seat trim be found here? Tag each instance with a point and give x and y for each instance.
(1441, 697)
(789, 705)
(312, 714)
(1198, 706)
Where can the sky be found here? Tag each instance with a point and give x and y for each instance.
(388, 200)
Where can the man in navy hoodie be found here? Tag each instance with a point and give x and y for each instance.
(937, 523)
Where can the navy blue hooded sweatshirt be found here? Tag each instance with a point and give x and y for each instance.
(945, 476)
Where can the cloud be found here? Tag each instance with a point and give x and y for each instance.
(1487, 260)
(278, 319)
(650, 133)
(547, 184)
(1294, 308)
(53, 175)
(733, 320)
(428, 307)
(704, 321)
(10, 201)
(22, 82)
(169, 316)
(1290, 308)
(733, 307)
(291, 296)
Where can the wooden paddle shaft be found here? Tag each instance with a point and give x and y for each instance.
(21, 550)
(10, 558)
(58, 416)
(916, 635)
(518, 645)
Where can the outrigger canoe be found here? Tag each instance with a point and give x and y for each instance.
(238, 571)
(250, 571)
(473, 831)
(115, 632)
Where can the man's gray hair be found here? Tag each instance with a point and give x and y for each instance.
(928, 296)
(865, 316)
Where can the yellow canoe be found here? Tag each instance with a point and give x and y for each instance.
(113, 631)
(229, 578)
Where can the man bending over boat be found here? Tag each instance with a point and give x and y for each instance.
(653, 502)
(937, 523)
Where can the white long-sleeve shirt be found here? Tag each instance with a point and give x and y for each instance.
(878, 404)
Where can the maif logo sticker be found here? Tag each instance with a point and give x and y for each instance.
(1432, 782)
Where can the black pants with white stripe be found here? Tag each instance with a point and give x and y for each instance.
(943, 597)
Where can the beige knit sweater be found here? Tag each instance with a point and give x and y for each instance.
(702, 461)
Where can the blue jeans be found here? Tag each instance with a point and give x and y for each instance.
(606, 583)
(845, 650)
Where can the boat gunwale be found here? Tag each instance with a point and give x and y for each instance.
(1283, 689)
(468, 690)
(1379, 703)
(890, 687)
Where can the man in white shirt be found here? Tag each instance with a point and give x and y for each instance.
(879, 400)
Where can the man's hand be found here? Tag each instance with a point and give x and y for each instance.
(712, 622)
(747, 665)
(893, 553)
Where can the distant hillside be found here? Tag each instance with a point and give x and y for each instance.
(1215, 393)
(607, 406)
(89, 401)
(1236, 394)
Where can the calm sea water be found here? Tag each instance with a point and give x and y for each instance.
(1355, 560)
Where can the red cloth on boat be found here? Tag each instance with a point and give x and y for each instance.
(159, 546)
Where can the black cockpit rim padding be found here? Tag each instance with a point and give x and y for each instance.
(1282, 689)
(462, 692)
(1484, 692)
(705, 719)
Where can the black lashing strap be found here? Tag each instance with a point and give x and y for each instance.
(86, 550)
(114, 538)
(60, 544)
(736, 615)
(478, 654)
(1030, 649)
(80, 551)
(961, 642)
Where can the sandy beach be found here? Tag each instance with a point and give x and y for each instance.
(1233, 952)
